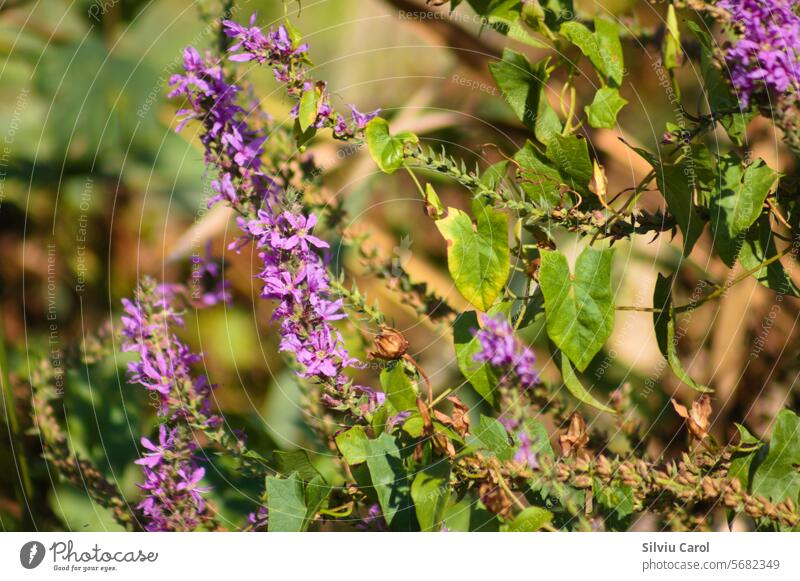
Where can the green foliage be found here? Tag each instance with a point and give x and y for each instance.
(569, 155)
(605, 107)
(477, 255)
(387, 149)
(575, 387)
(480, 375)
(664, 325)
(778, 477)
(523, 88)
(430, 492)
(492, 436)
(390, 481)
(292, 504)
(602, 47)
(579, 307)
(399, 388)
(309, 105)
(530, 520)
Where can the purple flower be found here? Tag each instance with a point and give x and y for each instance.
(765, 59)
(171, 472)
(525, 454)
(361, 119)
(501, 349)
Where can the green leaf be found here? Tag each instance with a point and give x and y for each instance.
(718, 92)
(531, 519)
(522, 86)
(671, 48)
(664, 325)
(296, 461)
(353, 445)
(480, 375)
(286, 504)
(579, 308)
(399, 388)
(675, 361)
(759, 246)
(678, 190)
(610, 49)
(606, 105)
(575, 386)
(618, 499)
(738, 198)
(662, 299)
(778, 476)
(430, 492)
(387, 149)
(316, 494)
(746, 457)
(491, 435)
(307, 111)
(390, 480)
(540, 438)
(478, 257)
(469, 514)
(433, 202)
(602, 47)
(540, 181)
(570, 156)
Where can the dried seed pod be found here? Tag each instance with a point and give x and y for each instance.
(389, 345)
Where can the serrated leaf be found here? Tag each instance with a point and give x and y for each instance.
(399, 388)
(430, 492)
(579, 307)
(778, 476)
(605, 107)
(478, 257)
(531, 519)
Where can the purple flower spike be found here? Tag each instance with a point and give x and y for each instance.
(501, 349)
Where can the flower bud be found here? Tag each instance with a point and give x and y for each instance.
(389, 345)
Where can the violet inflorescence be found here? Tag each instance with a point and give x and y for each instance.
(171, 467)
(294, 273)
(765, 58)
(501, 349)
(288, 60)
